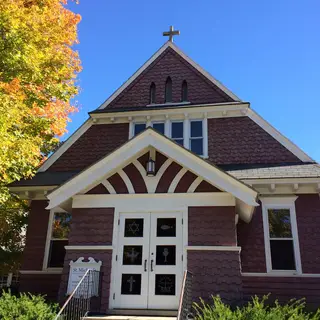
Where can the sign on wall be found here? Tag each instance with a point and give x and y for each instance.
(78, 270)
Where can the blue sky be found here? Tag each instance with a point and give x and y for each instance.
(266, 52)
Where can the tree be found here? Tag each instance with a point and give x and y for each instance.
(38, 70)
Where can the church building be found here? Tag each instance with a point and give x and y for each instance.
(174, 172)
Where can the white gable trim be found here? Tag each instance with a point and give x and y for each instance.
(153, 58)
(288, 144)
(172, 150)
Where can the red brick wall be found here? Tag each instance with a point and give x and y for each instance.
(241, 140)
(215, 272)
(251, 241)
(44, 284)
(200, 90)
(211, 226)
(105, 273)
(33, 252)
(283, 289)
(92, 226)
(308, 222)
(94, 144)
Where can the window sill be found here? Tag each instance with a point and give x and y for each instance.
(169, 104)
(283, 273)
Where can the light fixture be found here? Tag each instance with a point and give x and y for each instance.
(151, 168)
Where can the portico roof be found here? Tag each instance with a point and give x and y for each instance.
(151, 139)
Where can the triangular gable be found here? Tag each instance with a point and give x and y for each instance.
(134, 92)
(137, 146)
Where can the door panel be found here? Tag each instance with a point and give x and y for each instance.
(149, 260)
(165, 276)
(133, 254)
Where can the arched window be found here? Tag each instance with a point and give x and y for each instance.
(184, 91)
(152, 93)
(168, 93)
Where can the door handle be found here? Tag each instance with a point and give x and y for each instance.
(152, 265)
(145, 265)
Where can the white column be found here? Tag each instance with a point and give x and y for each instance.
(167, 127)
(186, 132)
(205, 135)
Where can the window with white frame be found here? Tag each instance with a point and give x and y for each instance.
(196, 136)
(58, 239)
(281, 235)
(191, 132)
(177, 132)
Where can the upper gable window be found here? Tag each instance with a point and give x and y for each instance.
(184, 91)
(139, 127)
(158, 126)
(196, 136)
(152, 93)
(168, 92)
(177, 132)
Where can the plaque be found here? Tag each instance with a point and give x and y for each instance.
(77, 271)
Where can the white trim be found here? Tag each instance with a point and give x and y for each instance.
(213, 248)
(205, 136)
(153, 58)
(288, 144)
(98, 247)
(177, 179)
(48, 240)
(281, 275)
(109, 186)
(48, 271)
(194, 185)
(281, 203)
(148, 202)
(66, 145)
(126, 180)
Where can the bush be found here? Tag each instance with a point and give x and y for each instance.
(255, 310)
(25, 307)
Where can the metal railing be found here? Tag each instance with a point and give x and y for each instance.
(185, 303)
(79, 302)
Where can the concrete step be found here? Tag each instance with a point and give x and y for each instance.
(128, 317)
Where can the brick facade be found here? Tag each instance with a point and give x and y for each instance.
(169, 63)
(251, 240)
(36, 236)
(97, 142)
(215, 272)
(308, 222)
(211, 226)
(283, 289)
(241, 141)
(92, 226)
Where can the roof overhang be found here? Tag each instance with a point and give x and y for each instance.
(245, 195)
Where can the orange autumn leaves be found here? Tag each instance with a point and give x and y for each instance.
(38, 70)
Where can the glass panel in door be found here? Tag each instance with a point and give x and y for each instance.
(166, 264)
(133, 255)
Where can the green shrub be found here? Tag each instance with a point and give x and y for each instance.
(25, 307)
(254, 310)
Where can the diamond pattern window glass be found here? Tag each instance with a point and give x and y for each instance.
(133, 228)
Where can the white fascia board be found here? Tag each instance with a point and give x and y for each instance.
(66, 145)
(278, 181)
(288, 144)
(153, 58)
(172, 150)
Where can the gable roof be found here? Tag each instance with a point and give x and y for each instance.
(151, 138)
(167, 45)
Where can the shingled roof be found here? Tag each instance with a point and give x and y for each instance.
(276, 172)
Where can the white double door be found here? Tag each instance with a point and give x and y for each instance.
(149, 261)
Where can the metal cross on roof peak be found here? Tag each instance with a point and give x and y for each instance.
(171, 33)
